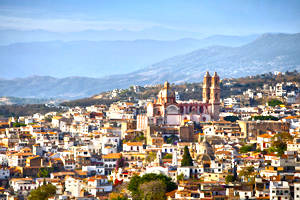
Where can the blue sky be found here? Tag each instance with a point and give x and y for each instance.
(231, 17)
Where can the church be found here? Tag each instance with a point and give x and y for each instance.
(167, 112)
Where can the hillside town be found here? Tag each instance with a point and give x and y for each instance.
(163, 148)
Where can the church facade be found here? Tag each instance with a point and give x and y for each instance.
(167, 112)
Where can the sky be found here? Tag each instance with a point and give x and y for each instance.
(207, 17)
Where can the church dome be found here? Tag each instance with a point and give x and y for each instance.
(206, 148)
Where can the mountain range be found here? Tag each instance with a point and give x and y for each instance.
(152, 33)
(98, 58)
(269, 52)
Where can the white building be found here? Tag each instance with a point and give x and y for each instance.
(23, 184)
(133, 147)
(279, 190)
(296, 191)
(73, 186)
(98, 184)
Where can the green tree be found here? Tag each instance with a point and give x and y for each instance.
(133, 186)
(42, 192)
(153, 190)
(274, 102)
(17, 124)
(247, 172)
(171, 139)
(180, 177)
(229, 179)
(186, 158)
(151, 157)
(279, 143)
(265, 118)
(44, 172)
(231, 118)
(168, 156)
(246, 148)
(137, 181)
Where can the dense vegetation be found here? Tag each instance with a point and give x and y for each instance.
(17, 124)
(247, 148)
(279, 143)
(274, 102)
(247, 173)
(89, 102)
(45, 172)
(231, 118)
(26, 110)
(150, 186)
(43, 192)
(264, 118)
(229, 179)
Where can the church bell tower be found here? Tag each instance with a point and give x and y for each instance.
(215, 95)
(206, 88)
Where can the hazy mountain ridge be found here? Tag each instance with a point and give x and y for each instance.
(153, 33)
(271, 52)
(98, 58)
